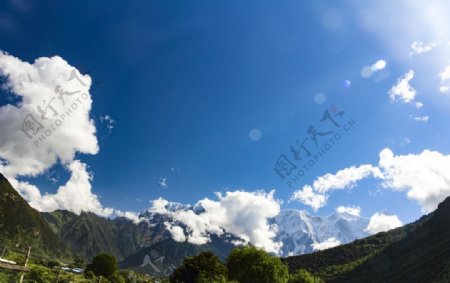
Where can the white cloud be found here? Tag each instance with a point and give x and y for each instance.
(419, 47)
(308, 197)
(329, 243)
(76, 195)
(380, 222)
(402, 90)
(352, 210)
(423, 119)
(445, 80)
(163, 183)
(34, 84)
(243, 214)
(345, 178)
(316, 195)
(133, 216)
(176, 232)
(53, 97)
(419, 105)
(424, 178)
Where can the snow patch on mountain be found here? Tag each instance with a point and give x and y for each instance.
(297, 230)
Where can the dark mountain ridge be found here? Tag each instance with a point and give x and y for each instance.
(416, 252)
(21, 226)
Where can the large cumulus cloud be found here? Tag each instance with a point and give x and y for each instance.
(48, 123)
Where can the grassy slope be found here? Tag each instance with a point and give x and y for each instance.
(22, 226)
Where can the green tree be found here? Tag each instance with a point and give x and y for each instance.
(249, 264)
(103, 265)
(303, 276)
(39, 274)
(205, 267)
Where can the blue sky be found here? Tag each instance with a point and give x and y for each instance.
(186, 81)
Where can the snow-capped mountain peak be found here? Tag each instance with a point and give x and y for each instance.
(300, 232)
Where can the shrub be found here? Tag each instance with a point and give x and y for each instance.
(39, 274)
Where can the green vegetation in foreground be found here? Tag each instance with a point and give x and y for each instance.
(249, 264)
(244, 265)
(46, 271)
(417, 252)
(205, 267)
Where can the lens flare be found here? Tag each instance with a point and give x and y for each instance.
(320, 98)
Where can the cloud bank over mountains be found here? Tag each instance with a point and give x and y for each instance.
(423, 177)
(243, 214)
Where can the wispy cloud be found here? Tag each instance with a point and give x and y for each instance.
(423, 119)
(402, 91)
(108, 121)
(419, 47)
(163, 183)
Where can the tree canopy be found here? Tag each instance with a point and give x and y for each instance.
(249, 264)
(205, 267)
(103, 265)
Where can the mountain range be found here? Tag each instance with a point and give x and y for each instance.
(300, 232)
(418, 252)
(87, 234)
